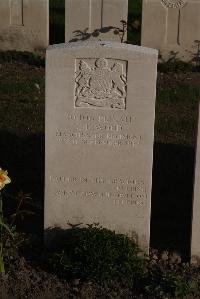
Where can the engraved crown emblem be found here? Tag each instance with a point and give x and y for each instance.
(101, 83)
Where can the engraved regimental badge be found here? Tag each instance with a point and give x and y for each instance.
(174, 3)
(100, 83)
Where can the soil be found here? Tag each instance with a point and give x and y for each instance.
(29, 282)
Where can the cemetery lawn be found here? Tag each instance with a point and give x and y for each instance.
(22, 110)
(178, 95)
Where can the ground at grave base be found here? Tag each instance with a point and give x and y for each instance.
(31, 279)
(22, 154)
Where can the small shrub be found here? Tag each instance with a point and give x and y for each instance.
(165, 281)
(98, 254)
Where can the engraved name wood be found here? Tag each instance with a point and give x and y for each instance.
(101, 83)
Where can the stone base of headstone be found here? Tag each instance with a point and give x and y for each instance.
(24, 25)
(172, 27)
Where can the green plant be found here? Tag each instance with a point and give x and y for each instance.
(98, 254)
(170, 282)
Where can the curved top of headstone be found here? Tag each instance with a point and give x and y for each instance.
(104, 44)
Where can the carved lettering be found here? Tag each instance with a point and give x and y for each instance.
(99, 130)
(121, 191)
(108, 139)
(100, 118)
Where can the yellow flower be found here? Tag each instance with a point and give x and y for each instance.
(4, 179)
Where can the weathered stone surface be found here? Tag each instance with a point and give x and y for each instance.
(195, 243)
(100, 102)
(175, 31)
(94, 16)
(24, 25)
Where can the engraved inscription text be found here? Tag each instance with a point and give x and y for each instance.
(119, 191)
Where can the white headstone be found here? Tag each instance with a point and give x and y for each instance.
(195, 243)
(172, 27)
(94, 16)
(24, 25)
(100, 102)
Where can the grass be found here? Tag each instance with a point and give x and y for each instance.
(176, 112)
(22, 98)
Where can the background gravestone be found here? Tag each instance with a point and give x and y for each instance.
(195, 244)
(24, 25)
(100, 102)
(83, 17)
(175, 31)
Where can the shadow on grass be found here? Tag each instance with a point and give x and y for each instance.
(23, 157)
(172, 198)
(172, 190)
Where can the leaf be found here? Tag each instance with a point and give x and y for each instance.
(2, 269)
(22, 212)
(6, 227)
